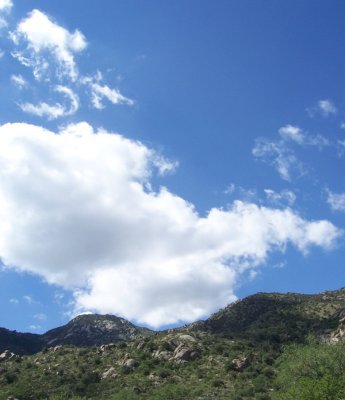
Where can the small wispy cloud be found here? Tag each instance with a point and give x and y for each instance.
(28, 299)
(240, 192)
(298, 136)
(35, 327)
(280, 198)
(40, 316)
(279, 156)
(14, 301)
(19, 81)
(5, 8)
(100, 92)
(293, 133)
(50, 51)
(336, 201)
(56, 110)
(281, 153)
(324, 107)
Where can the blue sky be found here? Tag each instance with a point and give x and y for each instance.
(161, 159)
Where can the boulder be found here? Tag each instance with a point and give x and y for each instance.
(162, 355)
(187, 338)
(239, 364)
(130, 363)
(183, 353)
(110, 373)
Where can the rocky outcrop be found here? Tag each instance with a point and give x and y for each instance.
(93, 329)
(7, 355)
(184, 353)
(110, 373)
(239, 364)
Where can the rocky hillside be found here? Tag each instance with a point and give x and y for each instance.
(90, 330)
(279, 317)
(236, 354)
(84, 330)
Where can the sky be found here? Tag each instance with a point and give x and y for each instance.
(159, 160)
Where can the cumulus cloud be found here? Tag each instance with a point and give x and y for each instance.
(42, 44)
(76, 208)
(6, 5)
(336, 201)
(54, 111)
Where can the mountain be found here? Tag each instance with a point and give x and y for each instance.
(93, 329)
(279, 317)
(20, 343)
(84, 330)
(236, 354)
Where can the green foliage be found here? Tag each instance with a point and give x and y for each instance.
(312, 372)
(259, 330)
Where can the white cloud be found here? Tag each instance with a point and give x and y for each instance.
(54, 111)
(40, 316)
(75, 208)
(279, 156)
(14, 301)
(6, 5)
(43, 110)
(99, 92)
(341, 147)
(19, 81)
(293, 133)
(283, 197)
(336, 201)
(43, 44)
(280, 153)
(324, 107)
(35, 327)
(240, 192)
(327, 107)
(28, 299)
(113, 95)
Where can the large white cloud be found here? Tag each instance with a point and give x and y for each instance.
(40, 42)
(76, 208)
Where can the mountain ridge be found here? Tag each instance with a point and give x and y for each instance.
(291, 316)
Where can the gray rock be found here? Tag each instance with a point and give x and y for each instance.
(183, 353)
(187, 338)
(7, 355)
(110, 373)
(130, 363)
(239, 364)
